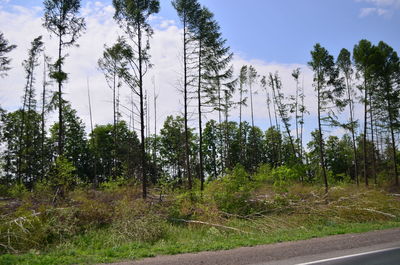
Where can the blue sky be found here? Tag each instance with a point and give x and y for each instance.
(285, 31)
(272, 35)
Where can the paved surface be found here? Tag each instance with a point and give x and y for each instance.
(299, 252)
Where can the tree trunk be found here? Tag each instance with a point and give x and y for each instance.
(142, 144)
(187, 158)
(60, 103)
(200, 123)
(321, 144)
(365, 130)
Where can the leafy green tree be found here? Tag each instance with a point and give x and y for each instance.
(20, 158)
(133, 18)
(172, 137)
(255, 149)
(338, 156)
(76, 148)
(211, 161)
(325, 83)
(5, 48)
(125, 163)
(61, 20)
(273, 144)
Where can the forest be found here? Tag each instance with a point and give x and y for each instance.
(62, 181)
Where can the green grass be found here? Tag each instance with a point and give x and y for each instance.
(98, 247)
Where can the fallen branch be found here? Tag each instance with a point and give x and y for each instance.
(383, 213)
(210, 224)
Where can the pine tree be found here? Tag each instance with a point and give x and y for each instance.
(5, 48)
(133, 16)
(362, 56)
(325, 84)
(345, 66)
(60, 19)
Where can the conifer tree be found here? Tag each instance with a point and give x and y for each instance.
(133, 17)
(345, 67)
(5, 48)
(61, 19)
(325, 84)
(362, 56)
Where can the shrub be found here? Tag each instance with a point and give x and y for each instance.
(138, 221)
(232, 192)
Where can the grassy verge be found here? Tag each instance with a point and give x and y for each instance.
(104, 226)
(95, 247)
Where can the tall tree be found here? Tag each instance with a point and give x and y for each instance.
(111, 64)
(61, 19)
(325, 75)
(187, 11)
(133, 16)
(387, 72)
(5, 48)
(346, 68)
(29, 103)
(362, 56)
(276, 84)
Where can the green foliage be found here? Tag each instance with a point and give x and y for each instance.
(62, 174)
(233, 191)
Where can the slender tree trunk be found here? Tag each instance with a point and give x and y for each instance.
(321, 143)
(353, 138)
(391, 124)
(251, 103)
(269, 110)
(240, 120)
(200, 121)
(115, 125)
(60, 102)
(365, 130)
(187, 154)
(43, 116)
(142, 129)
(371, 114)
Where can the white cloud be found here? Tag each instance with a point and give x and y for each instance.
(364, 12)
(383, 3)
(22, 25)
(384, 8)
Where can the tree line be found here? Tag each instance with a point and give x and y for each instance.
(65, 155)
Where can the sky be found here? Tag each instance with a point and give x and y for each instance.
(271, 35)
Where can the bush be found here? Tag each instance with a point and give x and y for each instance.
(232, 192)
(138, 221)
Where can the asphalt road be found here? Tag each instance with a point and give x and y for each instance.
(371, 248)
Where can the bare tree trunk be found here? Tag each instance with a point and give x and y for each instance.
(187, 154)
(60, 102)
(396, 174)
(321, 144)
(372, 138)
(200, 122)
(142, 129)
(365, 131)
(351, 110)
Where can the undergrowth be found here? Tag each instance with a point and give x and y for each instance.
(113, 223)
